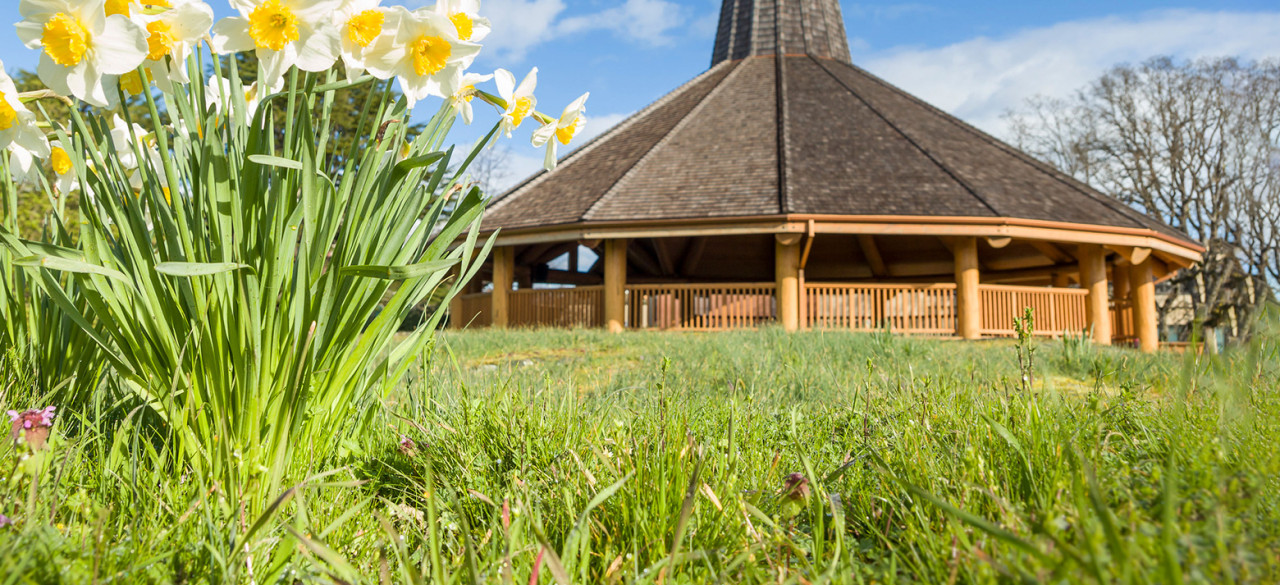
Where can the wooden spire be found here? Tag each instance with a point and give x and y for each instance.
(788, 27)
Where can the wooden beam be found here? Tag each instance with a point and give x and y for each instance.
(504, 263)
(1145, 319)
(998, 242)
(1051, 251)
(1134, 254)
(968, 296)
(574, 258)
(574, 278)
(615, 284)
(788, 239)
(640, 257)
(665, 263)
(692, 255)
(1093, 278)
(872, 253)
(808, 246)
(787, 276)
(532, 253)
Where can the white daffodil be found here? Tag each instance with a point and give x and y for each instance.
(18, 131)
(283, 33)
(520, 100)
(423, 54)
(359, 24)
(462, 99)
(131, 8)
(123, 135)
(65, 180)
(80, 45)
(218, 93)
(561, 130)
(175, 33)
(464, 14)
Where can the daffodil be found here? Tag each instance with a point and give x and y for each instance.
(462, 99)
(18, 132)
(65, 179)
(283, 34)
(175, 33)
(79, 45)
(464, 14)
(359, 24)
(123, 137)
(520, 100)
(131, 8)
(561, 130)
(218, 93)
(424, 54)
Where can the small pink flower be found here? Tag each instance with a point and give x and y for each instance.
(407, 446)
(797, 487)
(4, 520)
(33, 424)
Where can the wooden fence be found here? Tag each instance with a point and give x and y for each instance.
(920, 309)
(1122, 330)
(558, 307)
(475, 310)
(1057, 310)
(684, 307)
(927, 309)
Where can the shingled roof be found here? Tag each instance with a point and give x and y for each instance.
(784, 124)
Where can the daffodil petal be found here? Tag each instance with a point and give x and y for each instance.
(320, 49)
(231, 35)
(121, 47)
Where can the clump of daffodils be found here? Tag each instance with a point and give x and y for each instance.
(97, 50)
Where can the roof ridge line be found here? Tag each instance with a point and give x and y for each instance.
(909, 139)
(1106, 200)
(612, 190)
(539, 176)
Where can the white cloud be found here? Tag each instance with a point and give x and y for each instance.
(648, 21)
(521, 25)
(981, 78)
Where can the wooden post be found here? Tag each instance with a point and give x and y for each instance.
(1093, 278)
(968, 297)
(1145, 320)
(455, 304)
(615, 284)
(504, 267)
(787, 275)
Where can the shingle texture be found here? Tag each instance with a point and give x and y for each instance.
(798, 134)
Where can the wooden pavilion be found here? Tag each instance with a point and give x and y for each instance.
(787, 185)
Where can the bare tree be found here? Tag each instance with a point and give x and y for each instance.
(1193, 144)
(492, 169)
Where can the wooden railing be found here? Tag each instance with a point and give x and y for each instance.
(558, 307)
(699, 307)
(1057, 310)
(901, 308)
(475, 310)
(1122, 331)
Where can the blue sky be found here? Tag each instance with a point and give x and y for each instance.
(974, 59)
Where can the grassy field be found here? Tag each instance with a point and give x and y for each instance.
(575, 456)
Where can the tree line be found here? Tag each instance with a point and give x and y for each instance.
(1195, 144)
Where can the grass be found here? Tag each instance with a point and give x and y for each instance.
(583, 457)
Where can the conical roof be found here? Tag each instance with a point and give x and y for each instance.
(799, 132)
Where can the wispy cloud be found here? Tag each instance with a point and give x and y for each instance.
(981, 78)
(529, 23)
(521, 162)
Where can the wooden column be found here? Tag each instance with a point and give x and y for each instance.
(455, 304)
(787, 275)
(1145, 320)
(968, 297)
(615, 284)
(1093, 278)
(504, 268)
